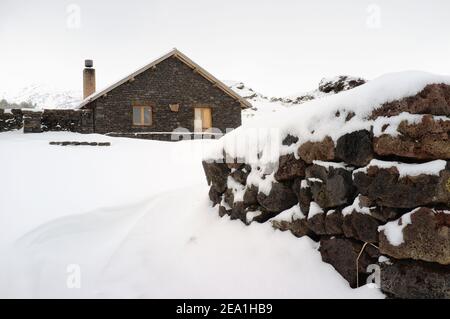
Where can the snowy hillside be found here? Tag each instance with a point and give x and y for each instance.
(43, 96)
(141, 230)
(263, 104)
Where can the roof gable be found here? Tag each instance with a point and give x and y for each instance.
(183, 58)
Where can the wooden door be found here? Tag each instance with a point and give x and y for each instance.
(202, 119)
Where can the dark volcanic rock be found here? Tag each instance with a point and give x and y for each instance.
(303, 192)
(298, 227)
(426, 238)
(342, 254)
(355, 148)
(223, 211)
(385, 187)
(323, 151)
(238, 212)
(251, 196)
(289, 140)
(339, 84)
(426, 140)
(415, 279)
(334, 223)
(317, 224)
(433, 99)
(336, 187)
(216, 175)
(214, 196)
(361, 226)
(240, 176)
(280, 198)
(290, 168)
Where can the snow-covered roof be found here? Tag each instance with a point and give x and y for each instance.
(183, 58)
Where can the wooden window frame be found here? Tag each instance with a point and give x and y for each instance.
(142, 115)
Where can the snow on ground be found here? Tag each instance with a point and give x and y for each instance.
(136, 219)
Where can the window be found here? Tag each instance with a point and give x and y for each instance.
(202, 119)
(142, 115)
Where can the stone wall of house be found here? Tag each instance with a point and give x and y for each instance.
(371, 200)
(10, 120)
(170, 82)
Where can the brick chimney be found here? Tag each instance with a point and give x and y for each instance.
(88, 78)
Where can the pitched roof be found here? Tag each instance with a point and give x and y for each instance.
(183, 58)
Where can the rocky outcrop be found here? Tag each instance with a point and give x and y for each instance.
(340, 83)
(424, 234)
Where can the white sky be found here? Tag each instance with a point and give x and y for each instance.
(277, 47)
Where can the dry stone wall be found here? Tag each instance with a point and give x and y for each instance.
(372, 197)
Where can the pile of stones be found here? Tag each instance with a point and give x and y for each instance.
(75, 143)
(377, 197)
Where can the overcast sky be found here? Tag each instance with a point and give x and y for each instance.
(279, 47)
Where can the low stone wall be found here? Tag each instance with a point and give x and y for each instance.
(374, 199)
(10, 120)
(80, 121)
(36, 121)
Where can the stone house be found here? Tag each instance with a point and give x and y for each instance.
(167, 94)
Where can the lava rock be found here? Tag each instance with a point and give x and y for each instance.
(385, 187)
(317, 224)
(216, 175)
(251, 196)
(323, 151)
(238, 212)
(336, 186)
(298, 227)
(426, 140)
(433, 99)
(223, 211)
(334, 221)
(415, 279)
(355, 148)
(305, 198)
(289, 168)
(214, 196)
(281, 197)
(361, 226)
(426, 238)
(342, 254)
(240, 176)
(339, 84)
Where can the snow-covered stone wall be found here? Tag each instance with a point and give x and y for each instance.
(365, 172)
